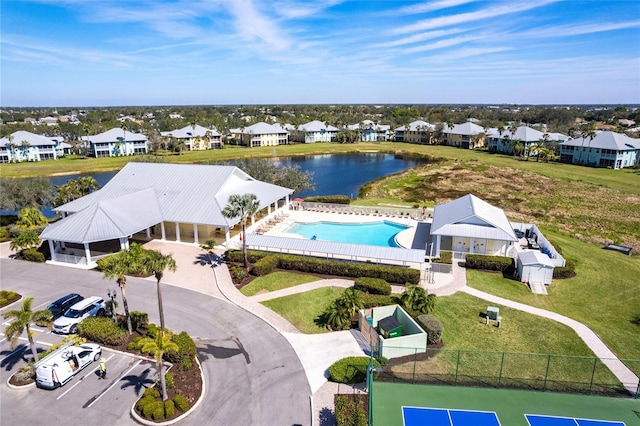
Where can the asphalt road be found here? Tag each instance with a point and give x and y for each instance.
(253, 376)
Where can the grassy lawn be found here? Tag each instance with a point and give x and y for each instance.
(303, 309)
(276, 281)
(605, 294)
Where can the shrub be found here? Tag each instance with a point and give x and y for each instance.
(4, 235)
(238, 272)
(331, 199)
(186, 348)
(32, 255)
(349, 411)
(157, 410)
(372, 286)
(169, 409)
(139, 319)
(181, 403)
(186, 364)
(152, 392)
(432, 326)
(490, 263)
(168, 380)
(373, 300)
(265, 266)
(567, 271)
(145, 401)
(445, 257)
(7, 296)
(102, 330)
(351, 369)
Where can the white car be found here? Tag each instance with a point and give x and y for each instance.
(89, 307)
(57, 368)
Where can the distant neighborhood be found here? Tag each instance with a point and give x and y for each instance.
(611, 144)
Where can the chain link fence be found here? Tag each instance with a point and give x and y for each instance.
(542, 372)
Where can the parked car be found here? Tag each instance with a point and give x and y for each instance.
(57, 368)
(89, 307)
(61, 305)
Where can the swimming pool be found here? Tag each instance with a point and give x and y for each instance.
(372, 233)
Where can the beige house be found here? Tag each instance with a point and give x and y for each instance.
(261, 134)
(467, 136)
(195, 137)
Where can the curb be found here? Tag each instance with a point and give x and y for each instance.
(146, 422)
(19, 388)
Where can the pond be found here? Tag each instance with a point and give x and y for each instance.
(342, 174)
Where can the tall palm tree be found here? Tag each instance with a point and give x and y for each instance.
(118, 266)
(243, 207)
(158, 345)
(154, 262)
(22, 319)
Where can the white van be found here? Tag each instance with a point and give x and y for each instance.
(57, 368)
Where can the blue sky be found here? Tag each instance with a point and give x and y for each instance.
(95, 52)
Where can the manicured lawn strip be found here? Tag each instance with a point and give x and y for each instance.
(622, 180)
(509, 405)
(605, 294)
(276, 281)
(303, 309)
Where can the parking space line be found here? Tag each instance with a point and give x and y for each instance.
(80, 380)
(114, 383)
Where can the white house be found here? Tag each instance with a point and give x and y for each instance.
(471, 225)
(177, 202)
(314, 131)
(195, 137)
(371, 132)
(117, 142)
(606, 149)
(26, 146)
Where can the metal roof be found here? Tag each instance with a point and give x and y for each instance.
(534, 257)
(108, 219)
(469, 216)
(32, 138)
(606, 140)
(185, 193)
(332, 250)
(190, 131)
(115, 135)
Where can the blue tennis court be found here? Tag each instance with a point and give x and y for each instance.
(418, 416)
(537, 420)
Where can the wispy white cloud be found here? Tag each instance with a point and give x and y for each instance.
(430, 6)
(441, 44)
(573, 30)
(488, 13)
(416, 38)
(297, 9)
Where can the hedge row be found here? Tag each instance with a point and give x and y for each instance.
(263, 266)
(489, 263)
(350, 410)
(152, 408)
(372, 286)
(352, 369)
(332, 199)
(432, 326)
(568, 271)
(102, 330)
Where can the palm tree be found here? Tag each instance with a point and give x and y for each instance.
(243, 207)
(23, 318)
(25, 148)
(154, 262)
(416, 299)
(157, 345)
(118, 266)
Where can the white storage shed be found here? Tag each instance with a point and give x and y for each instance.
(534, 266)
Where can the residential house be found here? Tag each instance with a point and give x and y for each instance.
(175, 202)
(503, 140)
(261, 134)
(314, 131)
(371, 132)
(26, 146)
(117, 142)
(467, 135)
(195, 137)
(417, 131)
(605, 149)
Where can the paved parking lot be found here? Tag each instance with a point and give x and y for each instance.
(106, 401)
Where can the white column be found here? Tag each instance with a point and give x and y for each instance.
(164, 235)
(227, 236)
(268, 209)
(195, 233)
(148, 233)
(87, 253)
(177, 231)
(52, 249)
(471, 245)
(123, 246)
(437, 249)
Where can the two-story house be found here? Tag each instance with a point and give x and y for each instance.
(416, 132)
(605, 149)
(117, 142)
(261, 134)
(26, 146)
(195, 137)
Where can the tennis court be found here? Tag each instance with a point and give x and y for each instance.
(442, 405)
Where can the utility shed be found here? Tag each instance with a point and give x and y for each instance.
(534, 266)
